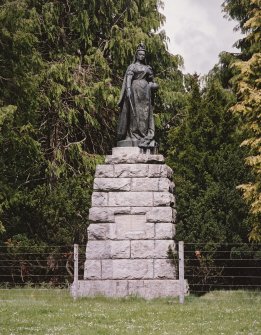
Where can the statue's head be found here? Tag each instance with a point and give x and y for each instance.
(140, 53)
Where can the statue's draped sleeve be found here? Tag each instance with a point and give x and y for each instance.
(129, 72)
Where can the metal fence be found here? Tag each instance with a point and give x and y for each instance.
(205, 267)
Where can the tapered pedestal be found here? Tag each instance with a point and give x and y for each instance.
(130, 236)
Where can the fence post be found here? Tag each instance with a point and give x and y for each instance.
(75, 274)
(181, 272)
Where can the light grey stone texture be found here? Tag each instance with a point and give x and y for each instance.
(106, 249)
(120, 210)
(104, 171)
(127, 269)
(130, 199)
(163, 199)
(145, 184)
(151, 248)
(112, 184)
(142, 249)
(160, 171)
(164, 230)
(151, 289)
(120, 249)
(97, 250)
(139, 210)
(165, 185)
(126, 227)
(161, 248)
(100, 214)
(151, 184)
(164, 269)
(92, 269)
(146, 288)
(121, 151)
(108, 288)
(133, 227)
(99, 231)
(131, 170)
(161, 214)
(134, 159)
(106, 214)
(99, 199)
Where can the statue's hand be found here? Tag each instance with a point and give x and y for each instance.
(153, 85)
(149, 71)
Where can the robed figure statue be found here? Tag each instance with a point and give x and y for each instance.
(136, 124)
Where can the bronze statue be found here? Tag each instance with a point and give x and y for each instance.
(136, 123)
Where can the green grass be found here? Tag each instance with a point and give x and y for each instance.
(35, 311)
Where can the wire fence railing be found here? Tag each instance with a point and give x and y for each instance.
(51, 266)
(223, 267)
(206, 268)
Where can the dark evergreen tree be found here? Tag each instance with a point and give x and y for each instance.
(61, 69)
(208, 163)
(246, 84)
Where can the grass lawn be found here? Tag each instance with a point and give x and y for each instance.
(50, 311)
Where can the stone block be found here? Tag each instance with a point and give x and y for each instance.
(131, 170)
(106, 249)
(164, 269)
(167, 172)
(130, 199)
(133, 227)
(160, 214)
(155, 171)
(134, 159)
(106, 214)
(165, 185)
(111, 184)
(98, 249)
(127, 269)
(121, 210)
(161, 248)
(160, 171)
(108, 288)
(140, 210)
(164, 230)
(151, 248)
(151, 289)
(142, 249)
(99, 231)
(127, 227)
(99, 199)
(99, 214)
(120, 249)
(104, 171)
(92, 269)
(145, 288)
(145, 184)
(120, 151)
(163, 199)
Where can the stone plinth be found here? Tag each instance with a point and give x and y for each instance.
(132, 225)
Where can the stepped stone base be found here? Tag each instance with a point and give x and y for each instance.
(147, 289)
(132, 225)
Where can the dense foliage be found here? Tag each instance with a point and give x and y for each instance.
(62, 65)
(246, 82)
(204, 151)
